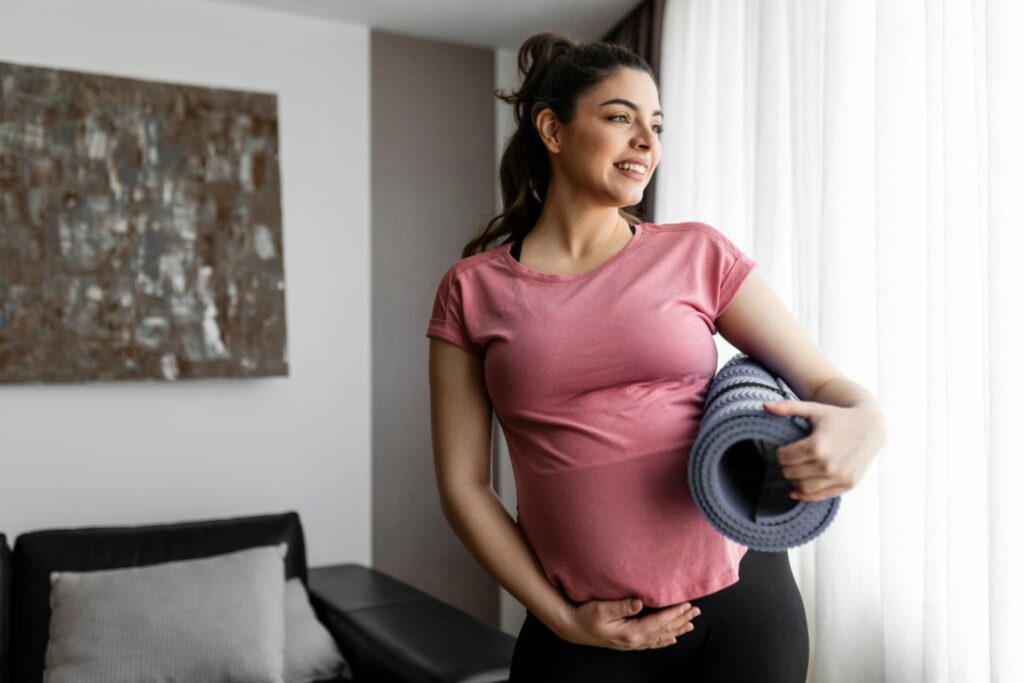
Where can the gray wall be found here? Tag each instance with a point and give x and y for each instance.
(506, 77)
(432, 163)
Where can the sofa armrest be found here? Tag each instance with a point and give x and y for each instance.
(5, 610)
(389, 631)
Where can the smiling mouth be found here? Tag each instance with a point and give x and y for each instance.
(635, 175)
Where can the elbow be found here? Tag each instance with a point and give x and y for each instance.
(446, 509)
(454, 497)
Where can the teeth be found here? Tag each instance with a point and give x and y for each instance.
(639, 168)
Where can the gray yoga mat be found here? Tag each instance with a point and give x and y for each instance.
(734, 476)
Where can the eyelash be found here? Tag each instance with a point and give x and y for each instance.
(658, 126)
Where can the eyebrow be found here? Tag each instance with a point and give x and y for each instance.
(619, 100)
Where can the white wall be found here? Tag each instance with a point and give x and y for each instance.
(506, 77)
(152, 452)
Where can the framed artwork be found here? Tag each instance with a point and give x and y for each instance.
(140, 230)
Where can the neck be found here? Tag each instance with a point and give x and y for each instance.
(518, 244)
(577, 233)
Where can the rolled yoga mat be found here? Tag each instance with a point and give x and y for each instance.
(734, 477)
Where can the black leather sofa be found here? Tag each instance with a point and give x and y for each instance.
(386, 629)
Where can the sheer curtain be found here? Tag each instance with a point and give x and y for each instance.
(870, 157)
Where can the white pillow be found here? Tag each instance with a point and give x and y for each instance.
(310, 653)
(218, 619)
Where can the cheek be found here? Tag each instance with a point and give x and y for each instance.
(593, 162)
(595, 167)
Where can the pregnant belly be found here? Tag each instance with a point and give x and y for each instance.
(623, 529)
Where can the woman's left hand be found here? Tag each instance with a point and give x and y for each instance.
(834, 456)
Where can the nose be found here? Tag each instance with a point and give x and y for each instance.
(641, 145)
(644, 141)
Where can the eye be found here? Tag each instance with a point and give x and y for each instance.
(658, 127)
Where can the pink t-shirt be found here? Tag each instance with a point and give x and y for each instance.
(598, 381)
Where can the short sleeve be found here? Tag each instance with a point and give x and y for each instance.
(447, 318)
(727, 268)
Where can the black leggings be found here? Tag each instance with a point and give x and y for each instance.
(753, 630)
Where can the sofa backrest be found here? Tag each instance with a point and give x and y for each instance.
(38, 553)
(5, 609)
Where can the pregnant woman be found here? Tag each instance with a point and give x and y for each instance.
(589, 334)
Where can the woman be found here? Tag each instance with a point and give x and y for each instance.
(588, 332)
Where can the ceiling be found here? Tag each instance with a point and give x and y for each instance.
(482, 23)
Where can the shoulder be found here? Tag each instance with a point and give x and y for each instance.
(468, 274)
(693, 235)
(689, 229)
(472, 265)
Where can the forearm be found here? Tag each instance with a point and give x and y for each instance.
(493, 538)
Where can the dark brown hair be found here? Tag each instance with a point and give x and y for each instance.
(556, 71)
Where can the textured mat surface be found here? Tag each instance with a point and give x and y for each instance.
(734, 477)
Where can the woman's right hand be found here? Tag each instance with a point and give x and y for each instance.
(611, 624)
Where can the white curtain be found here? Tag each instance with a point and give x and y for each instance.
(870, 157)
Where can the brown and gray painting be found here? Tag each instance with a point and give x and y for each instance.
(140, 230)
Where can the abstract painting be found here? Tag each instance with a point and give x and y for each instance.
(140, 230)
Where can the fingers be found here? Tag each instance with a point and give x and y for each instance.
(808, 471)
(675, 618)
(666, 628)
(683, 623)
(819, 495)
(813, 488)
(684, 620)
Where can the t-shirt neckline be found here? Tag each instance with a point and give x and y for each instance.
(519, 268)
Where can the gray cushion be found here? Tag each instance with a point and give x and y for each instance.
(218, 619)
(310, 653)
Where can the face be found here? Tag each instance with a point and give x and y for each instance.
(617, 121)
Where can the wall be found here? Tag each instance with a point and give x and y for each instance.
(506, 77)
(433, 174)
(150, 452)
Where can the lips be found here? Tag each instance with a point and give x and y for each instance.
(635, 160)
(629, 173)
(634, 174)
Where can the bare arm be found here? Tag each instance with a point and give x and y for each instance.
(460, 421)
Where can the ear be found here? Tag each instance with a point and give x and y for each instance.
(550, 130)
